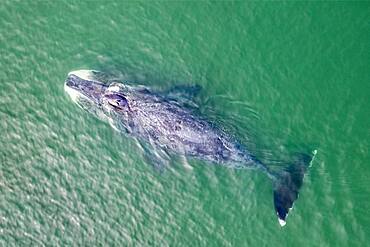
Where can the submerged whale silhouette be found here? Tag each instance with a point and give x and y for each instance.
(165, 125)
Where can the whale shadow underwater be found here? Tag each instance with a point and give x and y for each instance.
(166, 123)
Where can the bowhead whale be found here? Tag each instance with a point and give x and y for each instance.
(166, 125)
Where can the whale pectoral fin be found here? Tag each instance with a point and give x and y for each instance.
(154, 155)
(158, 158)
(185, 91)
(184, 94)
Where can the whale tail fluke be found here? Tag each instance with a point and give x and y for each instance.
(287, 185)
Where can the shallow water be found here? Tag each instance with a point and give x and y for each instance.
(282, 77)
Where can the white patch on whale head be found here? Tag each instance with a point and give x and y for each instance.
(74, 94)
(83, 74)
(114, 88)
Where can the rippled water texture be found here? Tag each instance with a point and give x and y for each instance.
(282, 77)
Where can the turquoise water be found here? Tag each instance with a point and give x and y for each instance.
(281, 76)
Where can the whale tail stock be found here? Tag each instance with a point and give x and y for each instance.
(287, 184)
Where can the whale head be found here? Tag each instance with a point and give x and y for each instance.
(105, 100)
(82, 86)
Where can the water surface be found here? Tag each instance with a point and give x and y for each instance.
(282, 77)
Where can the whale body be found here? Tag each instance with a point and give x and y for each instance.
(166, 125)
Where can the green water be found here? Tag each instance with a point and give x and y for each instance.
(282, 77)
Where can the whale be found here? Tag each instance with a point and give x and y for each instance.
(166, 123)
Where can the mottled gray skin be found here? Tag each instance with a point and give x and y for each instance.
(159, 121)
(173, 127)
(168, 127)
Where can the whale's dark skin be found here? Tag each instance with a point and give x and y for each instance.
(165, 125)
